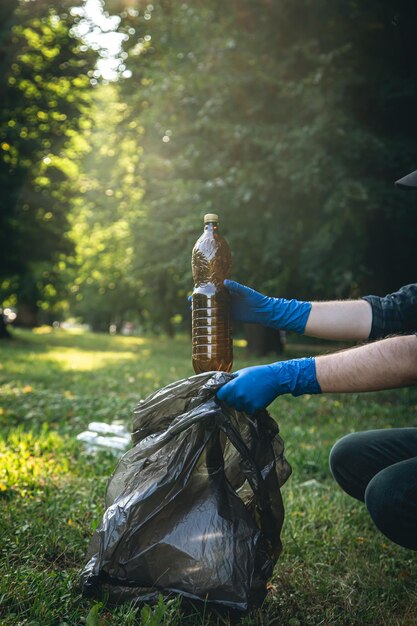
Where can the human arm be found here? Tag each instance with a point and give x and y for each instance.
(341, 320)
(384, 364)
(371, 317)
(338, 319)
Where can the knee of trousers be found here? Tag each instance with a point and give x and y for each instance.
(342, 465)
(390, 509)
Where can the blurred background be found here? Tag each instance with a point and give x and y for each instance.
(123, 122)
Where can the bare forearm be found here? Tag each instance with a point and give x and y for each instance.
(381, 365)
(340, 320)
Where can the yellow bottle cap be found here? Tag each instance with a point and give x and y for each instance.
(211, 217)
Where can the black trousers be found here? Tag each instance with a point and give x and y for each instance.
(379, 467)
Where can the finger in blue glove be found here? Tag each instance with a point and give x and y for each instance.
(254, 388)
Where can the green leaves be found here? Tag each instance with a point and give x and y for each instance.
(292, 130)
(44, 85)
(271, 122)
(93, 617)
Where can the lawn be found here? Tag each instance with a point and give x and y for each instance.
(335, 569)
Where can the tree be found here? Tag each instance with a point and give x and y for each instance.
(292, 129)
(45, 90)
(104, 288)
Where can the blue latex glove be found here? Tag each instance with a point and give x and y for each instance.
(250, 306)
(253, 388)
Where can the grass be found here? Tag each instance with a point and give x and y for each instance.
(335, 569)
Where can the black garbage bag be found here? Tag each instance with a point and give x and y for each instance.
(194, 507)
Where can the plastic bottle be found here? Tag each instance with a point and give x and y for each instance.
(211, 320)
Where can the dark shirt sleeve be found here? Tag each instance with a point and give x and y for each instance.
(394, 313)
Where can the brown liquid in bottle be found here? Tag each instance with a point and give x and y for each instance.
(211, 320)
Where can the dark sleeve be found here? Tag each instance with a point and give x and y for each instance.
(394, 313)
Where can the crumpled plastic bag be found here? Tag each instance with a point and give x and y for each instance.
(194, 507)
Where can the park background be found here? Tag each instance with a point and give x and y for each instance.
(122, 123)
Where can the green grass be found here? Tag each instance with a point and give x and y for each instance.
(335, 569)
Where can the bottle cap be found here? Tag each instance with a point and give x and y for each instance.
(211, 217)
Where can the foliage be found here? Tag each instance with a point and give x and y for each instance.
(105, 213)
(336, 567)
(45, 94)
(293, 130)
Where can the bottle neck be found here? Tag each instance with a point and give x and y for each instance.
(212, 227)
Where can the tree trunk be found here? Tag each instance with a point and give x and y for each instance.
(169, 327)
(263, 341)
(27, 315)
(4, 332)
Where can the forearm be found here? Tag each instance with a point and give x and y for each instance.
(340, 320)
(381, 365)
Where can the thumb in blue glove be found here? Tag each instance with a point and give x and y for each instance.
(251, 306)
(254, 388)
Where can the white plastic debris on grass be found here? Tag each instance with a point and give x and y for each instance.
(102, 436)
(313, 484)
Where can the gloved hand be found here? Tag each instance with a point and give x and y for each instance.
(253, 388)
(250, 306)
